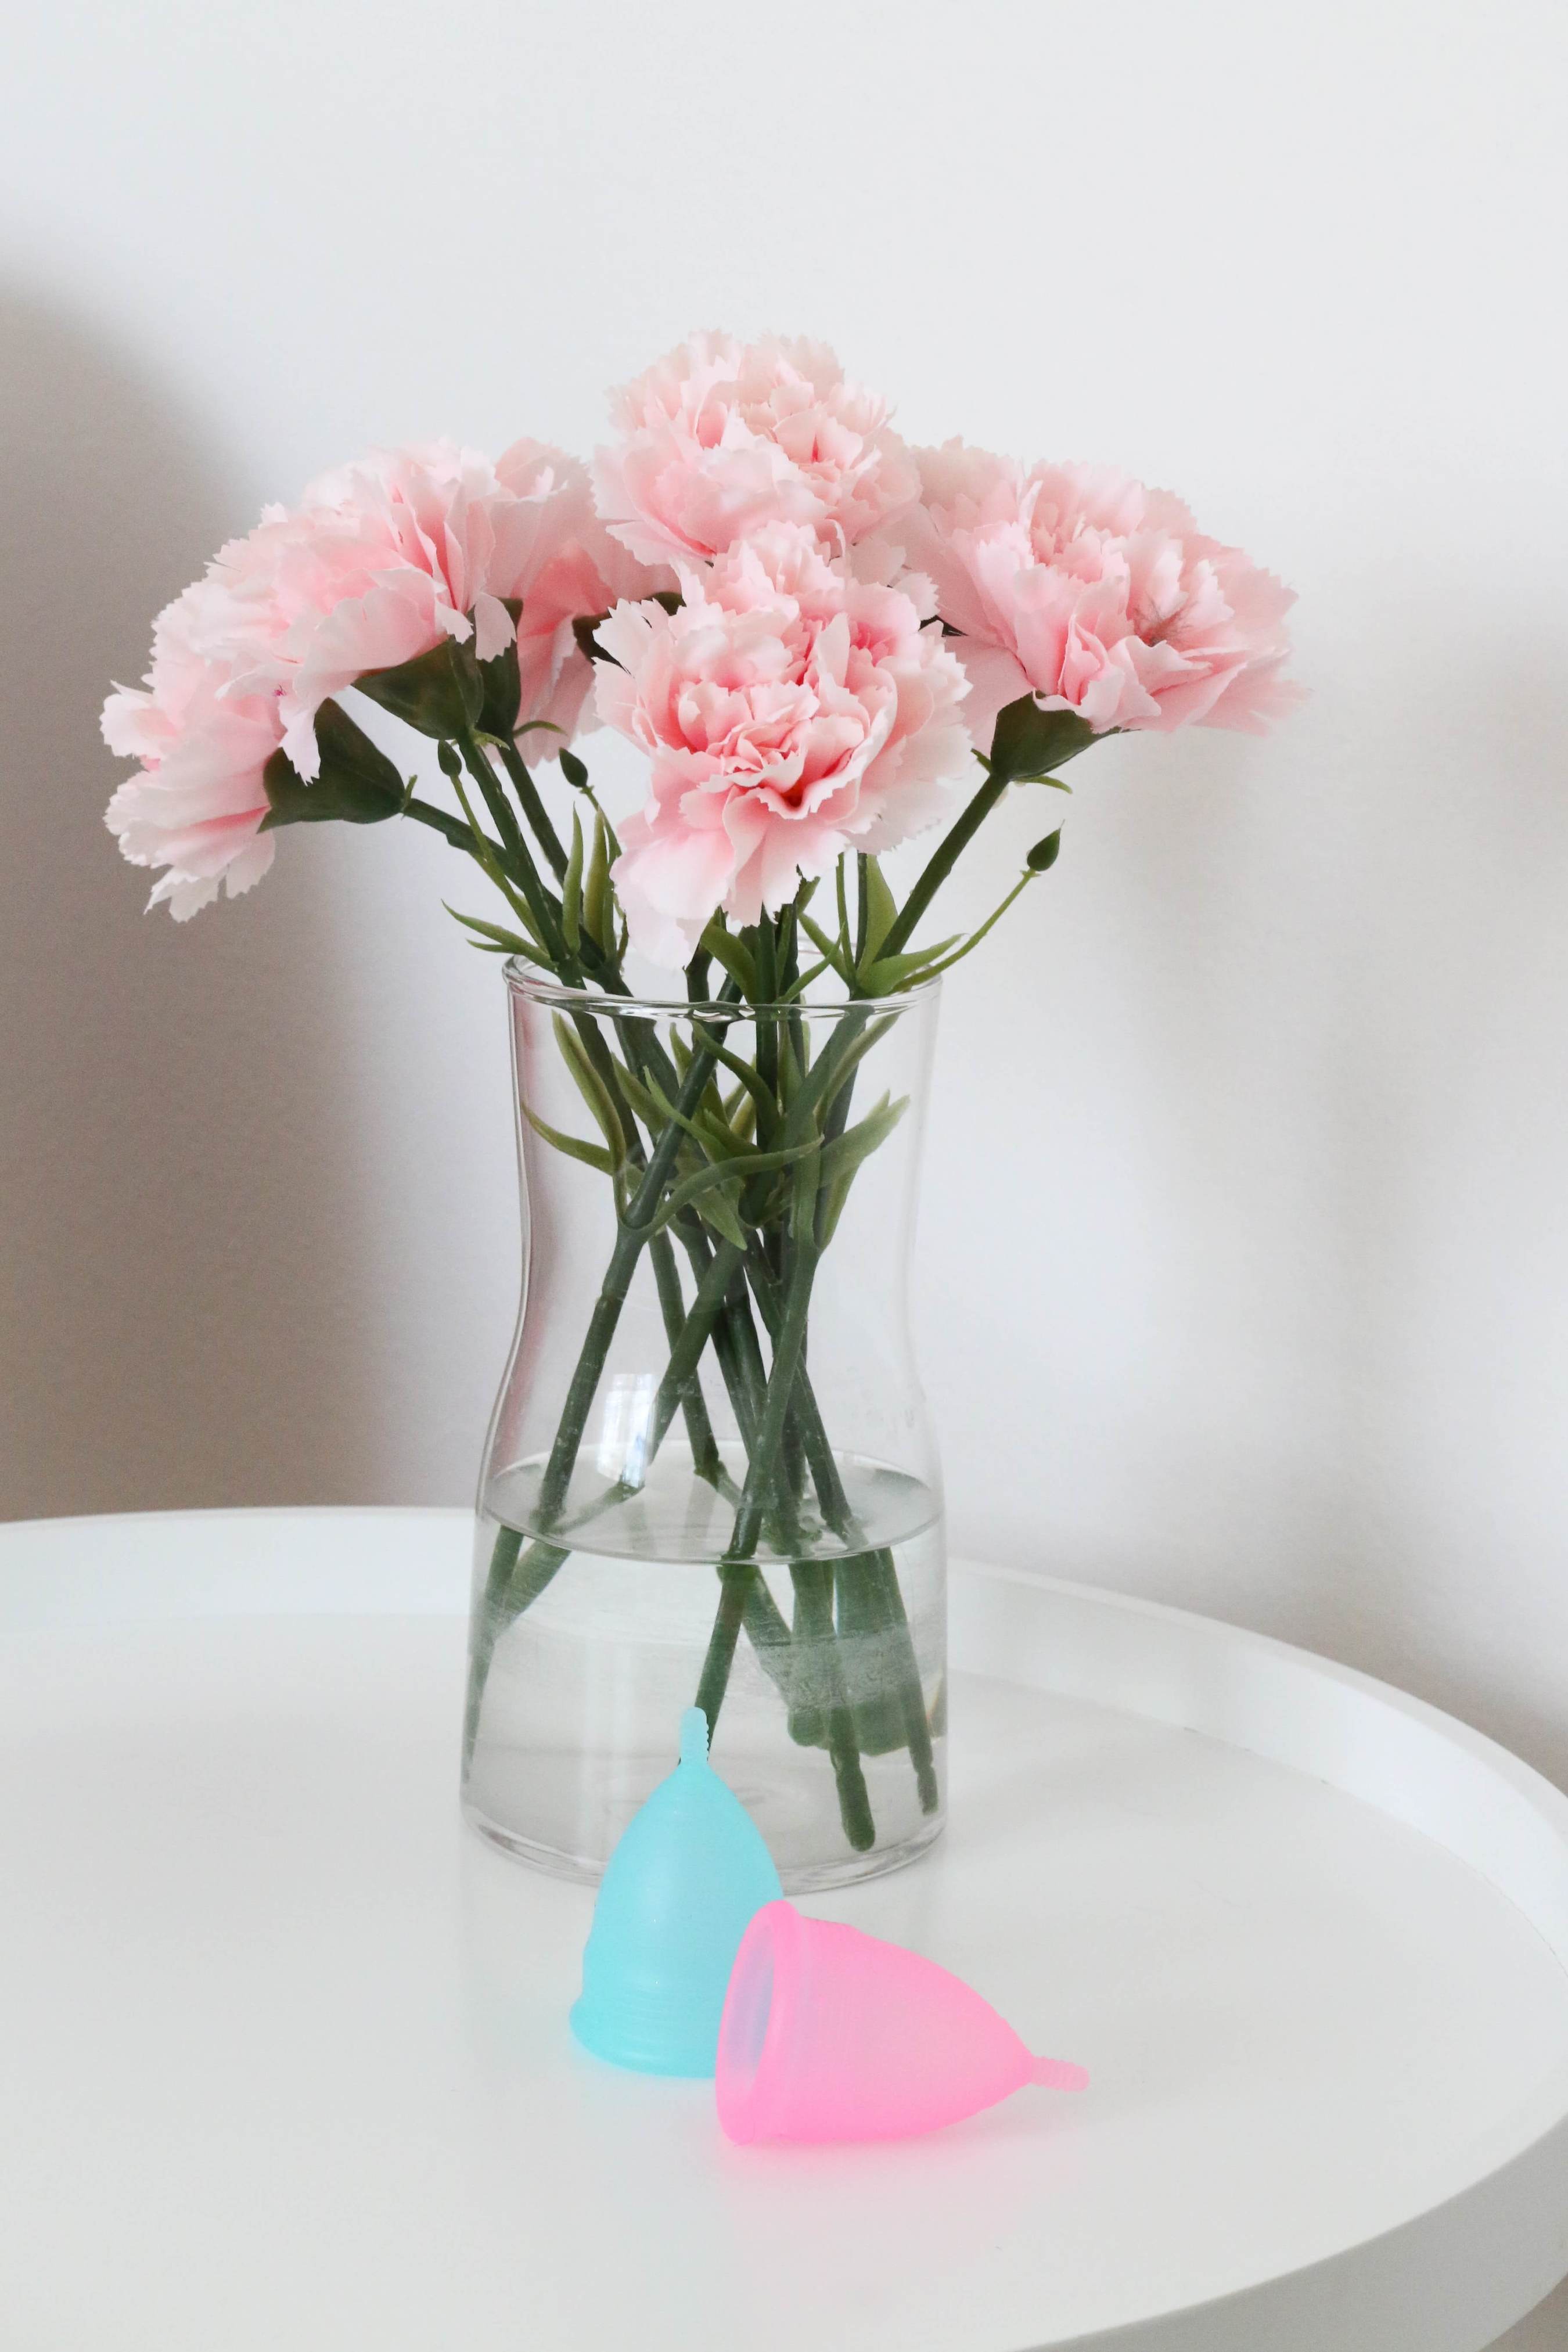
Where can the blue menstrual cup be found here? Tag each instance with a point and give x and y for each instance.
(680, 1891)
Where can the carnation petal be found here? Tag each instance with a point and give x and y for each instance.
(1102, 594)
(995, 678)
(494, 628)
(718, 439)
(791, 711)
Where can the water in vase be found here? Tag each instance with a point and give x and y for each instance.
(837, 1649)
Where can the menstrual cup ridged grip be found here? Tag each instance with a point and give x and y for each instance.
(831, 2034)
(687, 1876)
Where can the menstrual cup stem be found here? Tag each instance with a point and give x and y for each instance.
(694, 1737)
(1058, 2075)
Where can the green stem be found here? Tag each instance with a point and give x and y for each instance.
(764, 1626)
(533, 808)
(813, 1582)
(515, 1579)
(769, 1410)
(735, 1581)
(514, 1582)
(736, 1569)
(775, 1404)
(635, 1231)
(943, 860)
(738, 1573)
(544, 909)
(455, 832)
(876, 1569)
(706, 1459)
(881, 1571)
(690, 1340)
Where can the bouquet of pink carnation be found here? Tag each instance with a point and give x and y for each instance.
(815, 634)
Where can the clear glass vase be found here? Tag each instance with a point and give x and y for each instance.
(710, 1476)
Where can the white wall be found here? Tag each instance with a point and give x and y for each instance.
(1245, 1268)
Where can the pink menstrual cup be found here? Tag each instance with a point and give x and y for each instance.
(830, 2034)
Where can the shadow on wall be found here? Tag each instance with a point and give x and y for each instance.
(180, 1318)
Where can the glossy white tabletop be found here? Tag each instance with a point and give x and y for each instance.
(283, 2052)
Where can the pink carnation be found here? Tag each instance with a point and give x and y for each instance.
(196, 804)
(385, 557)
(557, 556)
(380, 562)
(1097, 594)
(721, 438)
(790, 712)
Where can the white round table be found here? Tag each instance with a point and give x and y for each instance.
(284, 2064)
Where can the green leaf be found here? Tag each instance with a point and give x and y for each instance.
(591, 1086)
(741, 1117)
(829, 951)
(716, 1209)
(790, 1071)
(484, 852)
(766, 1108)
(726, 950)
(1029, 741)
(651, 1109)
(708, 1128)
(500, 684)
(882, 911)
(803, 1198)
(495, 936)
(797, 988)
(1040, 860)
(833, 1195)
(737, 1172)
(831, 1071)
(571, 887)
(895, 972)
(719, 1136)
(437, 693)
(597, 910)
(843, 1156)
(594, 1155)
(357, 784)
(845, 1151)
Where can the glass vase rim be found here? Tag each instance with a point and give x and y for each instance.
(527, 979)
